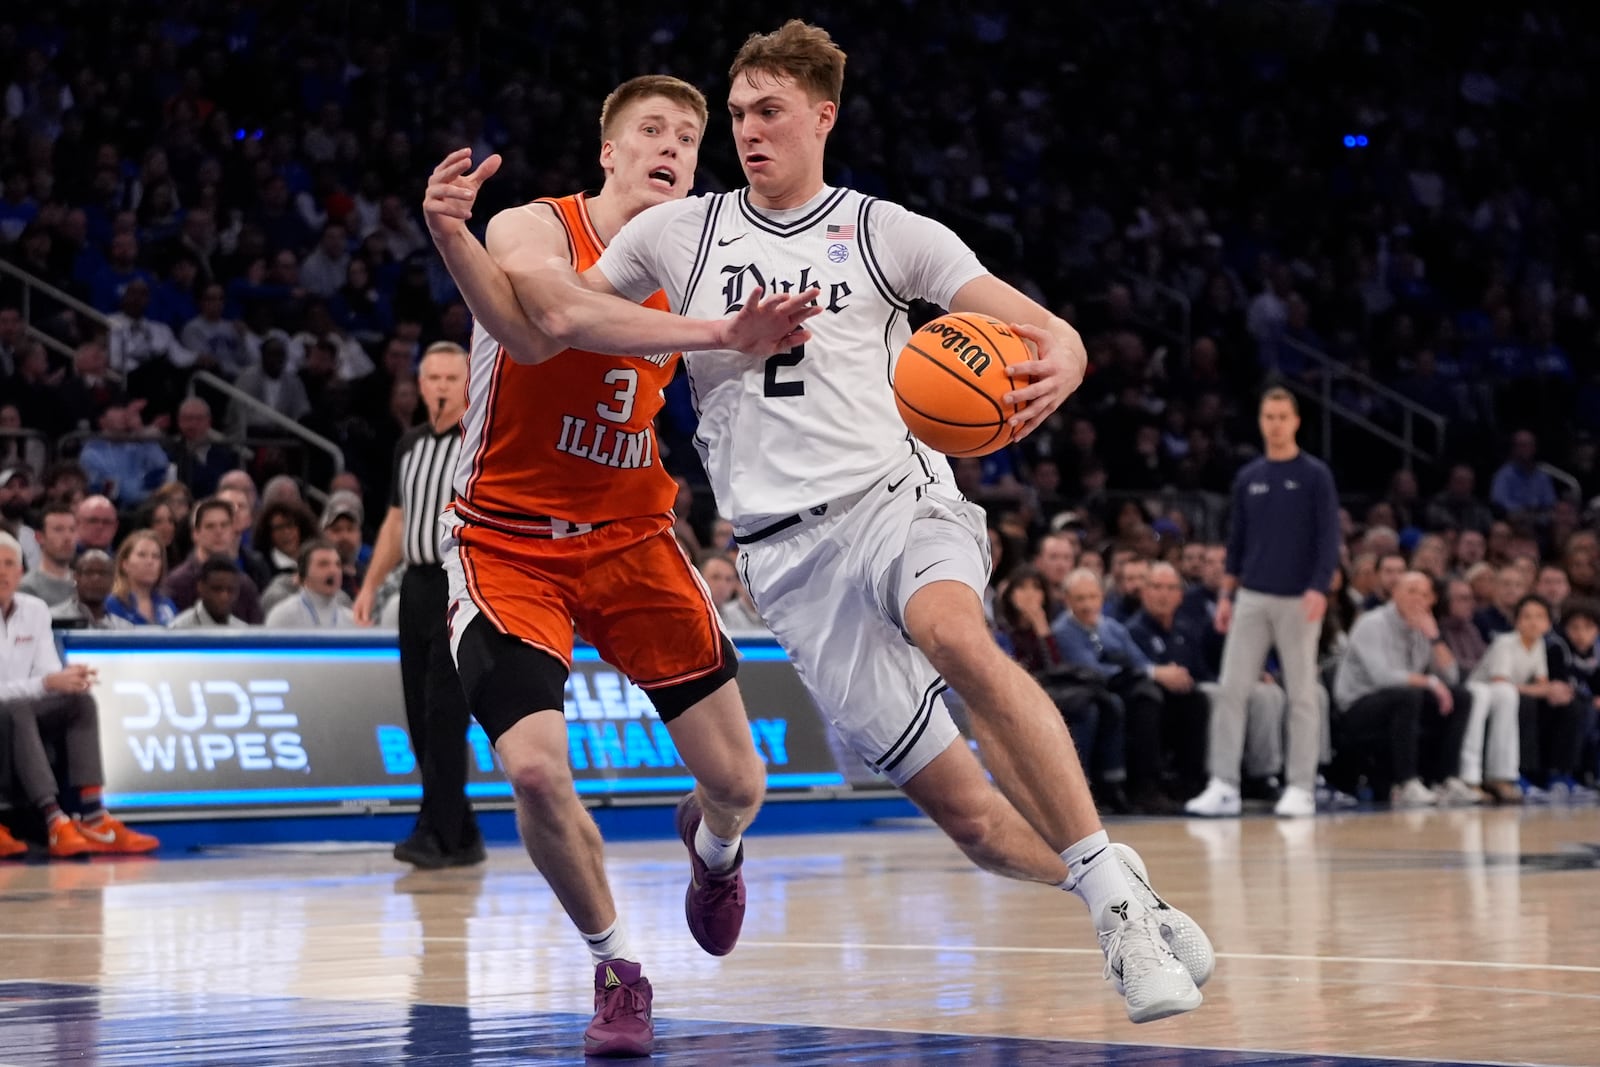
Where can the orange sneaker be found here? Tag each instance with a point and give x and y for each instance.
(66, 841)
(110, 835)
(10, 846)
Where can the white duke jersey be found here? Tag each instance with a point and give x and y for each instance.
(813, 425)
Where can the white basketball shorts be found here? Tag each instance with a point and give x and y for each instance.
(833, 588)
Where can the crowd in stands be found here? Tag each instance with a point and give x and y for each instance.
(234, 189)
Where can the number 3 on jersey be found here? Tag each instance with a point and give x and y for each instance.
(624, 396)
(791, 358)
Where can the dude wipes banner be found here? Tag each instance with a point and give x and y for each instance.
(302, 721)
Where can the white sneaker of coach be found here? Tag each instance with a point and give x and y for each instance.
(1219, 800)
(1142, 966)
(1295, 803)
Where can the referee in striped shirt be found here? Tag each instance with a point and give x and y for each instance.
(446, 834)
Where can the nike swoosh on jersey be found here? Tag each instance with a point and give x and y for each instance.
(723, 242)
(929, 567)
(895, 485)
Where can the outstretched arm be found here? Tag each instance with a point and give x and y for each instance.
(524, 290)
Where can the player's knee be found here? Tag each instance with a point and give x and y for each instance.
(742, 788)
(954, 645)
(536, 776)
(968, 825)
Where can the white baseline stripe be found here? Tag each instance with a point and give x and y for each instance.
(1488, 965)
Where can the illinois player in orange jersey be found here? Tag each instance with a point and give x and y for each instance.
(562, 520)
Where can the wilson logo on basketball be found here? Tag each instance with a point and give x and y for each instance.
(961, 346)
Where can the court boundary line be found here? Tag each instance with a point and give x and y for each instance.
(1050, 950)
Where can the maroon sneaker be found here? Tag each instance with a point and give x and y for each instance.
(714, 902)
(622, 1025)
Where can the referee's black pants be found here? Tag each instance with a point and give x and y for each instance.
(436, 708)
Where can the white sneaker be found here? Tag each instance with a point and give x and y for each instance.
(1295, 803)
(1141, 966)
(1412, 795)
(1218, 801)
(1457, 793)
(1182, 934)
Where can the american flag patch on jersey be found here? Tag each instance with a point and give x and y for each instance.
(847, 232)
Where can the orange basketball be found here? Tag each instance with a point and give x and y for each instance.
(951, 379)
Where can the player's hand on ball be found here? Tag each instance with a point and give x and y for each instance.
(447, 204)
(767, 325)
(1056, 373)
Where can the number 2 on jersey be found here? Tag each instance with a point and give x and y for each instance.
(790, 358)
(629, 380)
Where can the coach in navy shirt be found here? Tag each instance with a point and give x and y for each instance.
(1282, 551)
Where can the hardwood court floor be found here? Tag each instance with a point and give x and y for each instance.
(1454, 936)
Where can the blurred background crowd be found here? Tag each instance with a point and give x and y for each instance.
(215, 285)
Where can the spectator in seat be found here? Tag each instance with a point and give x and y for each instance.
(1460, 633)
(1090, 639)
(41, 697)
(1056, 557)
(1396, 698)
(218, 592)
(1165, 641)
(1457, 506)
(1515, 667)
(1094, 716)
(1390, 566)
(126, 463)
(1552, 587)
(273, 385)
(1510, 586)
(141, 563)
(200, 457)
(16, 495)
(283, 528)
(1127, 585)
(316, 605)
(212, 524)
(1576, 657)
(341, 525)
(1519, 486)
(51, 581)
(92, 574)
(97, 523)
(734, 606)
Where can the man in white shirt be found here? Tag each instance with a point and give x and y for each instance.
(217, 592)
(40, 696)
(1515, 666)
(316, 606)
(51, 581)
(86, 609)
(16, 492)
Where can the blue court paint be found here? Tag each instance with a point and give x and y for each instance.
(46, 1024)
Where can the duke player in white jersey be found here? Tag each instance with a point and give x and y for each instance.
(861, 555)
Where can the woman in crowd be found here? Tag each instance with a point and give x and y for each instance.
(136, 588)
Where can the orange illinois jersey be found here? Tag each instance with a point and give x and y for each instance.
(571, 438)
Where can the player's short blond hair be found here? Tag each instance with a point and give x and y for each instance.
(647, 85)
(796, 50)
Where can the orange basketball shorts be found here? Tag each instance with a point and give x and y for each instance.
(626, 587)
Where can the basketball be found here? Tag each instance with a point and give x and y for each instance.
(951, 380)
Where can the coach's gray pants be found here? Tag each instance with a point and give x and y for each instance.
(1263, 727)
(72, 720)
(1260, 623)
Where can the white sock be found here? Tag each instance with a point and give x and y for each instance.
(717, 852)
(610, 944)
(1095, 874)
